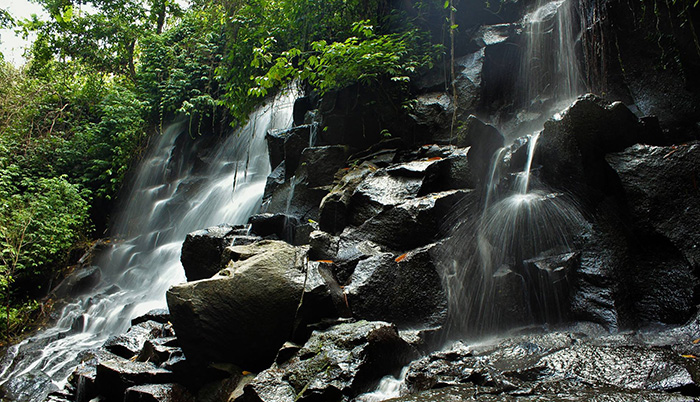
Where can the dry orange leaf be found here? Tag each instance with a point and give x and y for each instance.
(696, 341)
(246, 372)
(689, 356)
(325, 261)
(435, 158)
(401, 257)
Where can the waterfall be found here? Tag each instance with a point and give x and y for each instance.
(550, 66)
(506, 268)
(172, 195)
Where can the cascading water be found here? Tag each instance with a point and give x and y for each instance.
(495, 282)
(550, 66)
(170, 197)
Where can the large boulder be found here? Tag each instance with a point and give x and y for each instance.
(201, 251)
(34, 385)
(318, 165)
(114, 376)
(288, 144)
(381, 190)
(334, 206)
(468, 82)
(571, 149)
(405, 290)
(334, 365)
(387, 226)
(661, 195)
(247, 311)
(483, 140)
(661, 189)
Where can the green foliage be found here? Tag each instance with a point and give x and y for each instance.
(176, 74)
(39, 223)
(365, 58)
(104, 38)
(15, 320)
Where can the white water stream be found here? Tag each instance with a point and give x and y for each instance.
(172, 195)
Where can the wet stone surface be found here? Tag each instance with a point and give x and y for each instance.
(582, 363)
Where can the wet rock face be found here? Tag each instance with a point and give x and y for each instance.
(661, 186)
(29, 387)
(130, 343)
(78, 282)
(558, 366)
(334, 206)
(334, 365)
(425, 214)
(484, 140)
(405, 290)
(263, 291)
(663, 200)
(158, 393)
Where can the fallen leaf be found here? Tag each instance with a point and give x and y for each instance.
(435, 158)
(246, 372)
(696, 341)
(325, 261)
(401, 257)
(689, 356)
(673, 149)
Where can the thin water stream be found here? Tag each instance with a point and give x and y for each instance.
(172, 195)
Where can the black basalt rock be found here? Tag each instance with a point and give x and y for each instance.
(201, 251)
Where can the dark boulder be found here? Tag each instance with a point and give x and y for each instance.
(274, 182)
(473, 393)
(129, 344)
(159, 315)
(388, 224)
(295, 141)
(275, 146)
(556, 366)
(483, 140)
(158, 353)
(318, 165)
(468, 82)
(405, 290)
(263, 291)
(201, 251)
(341, 253)
(278, 225)
(158, 393)
(287, 144)
(379, 191)
(334, 208)
(550, 279)
(302, 106)
(334, 365)
(661, 190)
(115, 376)
(571, 149)
(431, 112)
